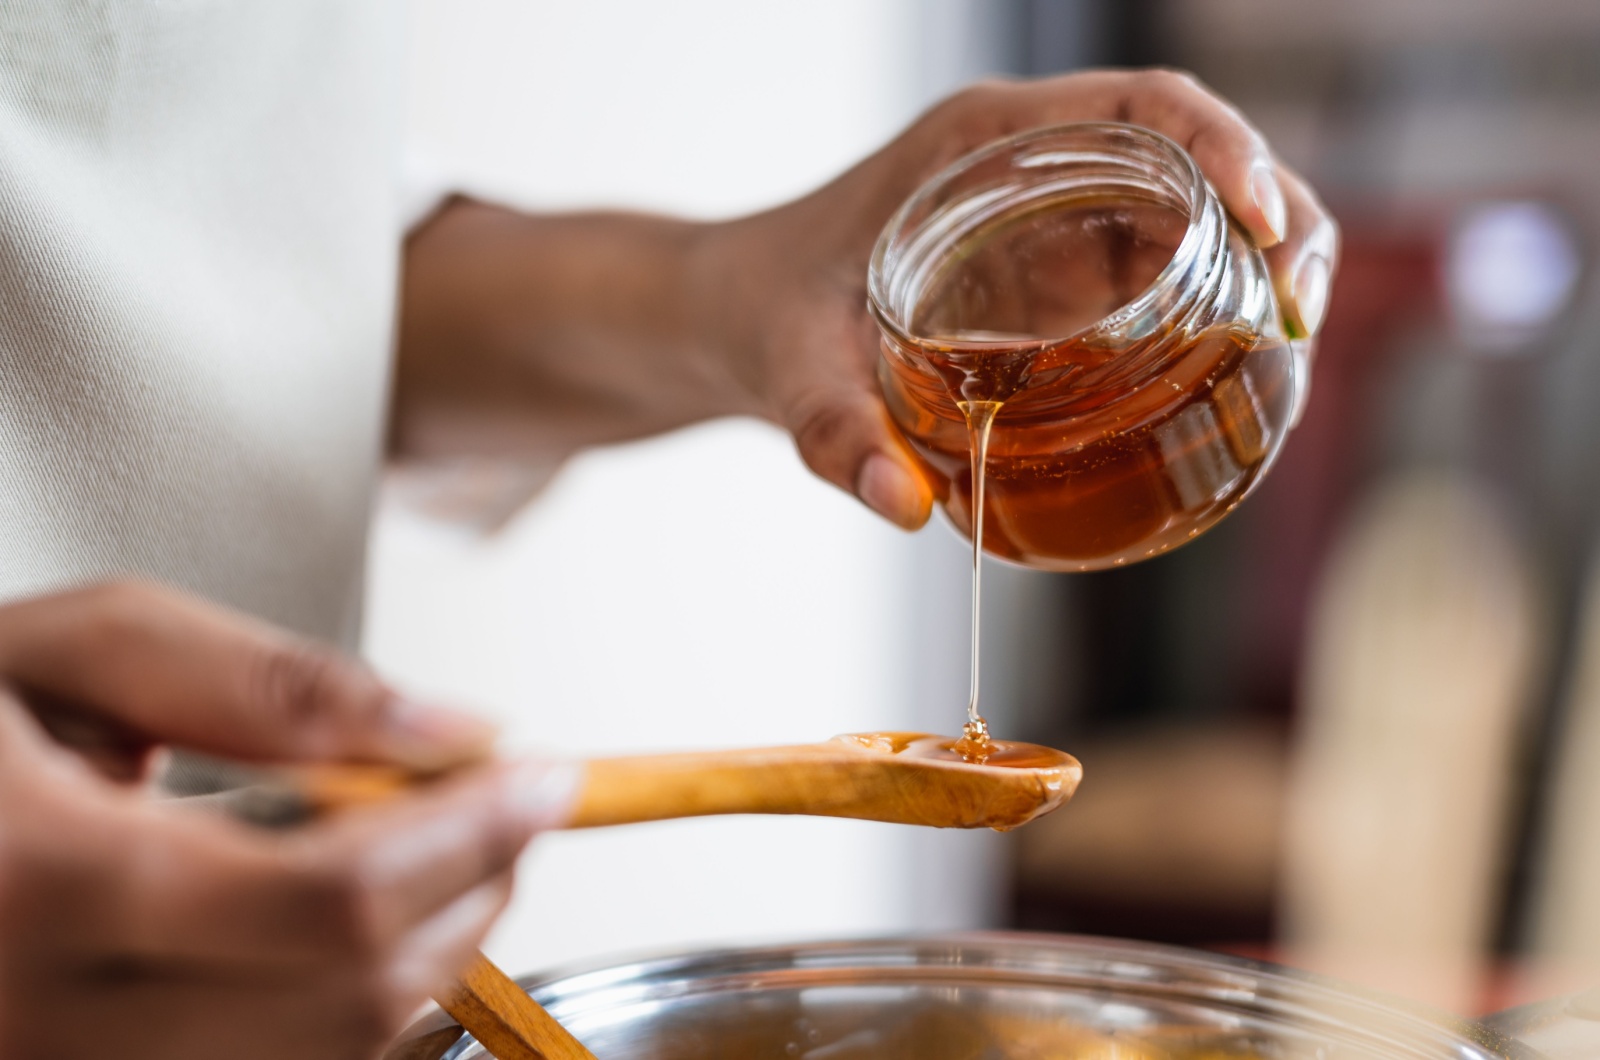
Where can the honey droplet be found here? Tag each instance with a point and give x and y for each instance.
(974, 745)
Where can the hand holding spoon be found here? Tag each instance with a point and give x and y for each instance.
(903, 778)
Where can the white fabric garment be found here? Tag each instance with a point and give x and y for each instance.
(199, 232)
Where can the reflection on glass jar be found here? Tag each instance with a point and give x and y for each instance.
(1086, 277)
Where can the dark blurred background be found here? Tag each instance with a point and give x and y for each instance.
(1399, 614)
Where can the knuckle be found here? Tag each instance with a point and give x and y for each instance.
(1173, 80)
(299, 682)
(1310, 215)
(1328, 238)
(985, 91)
(15, 1040)
(126, 614)
(972, 115)
(373, 1013)
(982, 100)
(120, 593)
(1316, 234)
(500, 843)
(343, 912)
(972, 103)
(822, 431)
(8, 883)
(1214, 137)
(119, 605)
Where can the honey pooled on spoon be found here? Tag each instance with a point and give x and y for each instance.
(1003, 754)
(1000, 754)
(927, 779)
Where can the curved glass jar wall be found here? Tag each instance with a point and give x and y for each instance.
(1087, 277)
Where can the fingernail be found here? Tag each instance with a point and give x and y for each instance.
(1268, 196)
(542, 793)
(1311, 293)
(888, 489)
(430, 736)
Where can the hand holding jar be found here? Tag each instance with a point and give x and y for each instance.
(812, 349)
(525, 333)
(1078, 342)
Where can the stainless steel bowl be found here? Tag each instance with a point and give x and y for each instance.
(976, 997)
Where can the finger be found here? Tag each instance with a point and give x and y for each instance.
(843, 436)
(436, 953)
(115, 751)
(24, 742)
(29, 755)
(195, 1019)
(1274, 205)
(199, 1013)
(413, 857)
(99, 871)
(1304, 263)
(157, 883)
(830, 402)
(1229, 150)
(187, 672)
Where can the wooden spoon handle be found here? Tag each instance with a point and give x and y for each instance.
(815, 779)
(830, 779)
(505, 1020)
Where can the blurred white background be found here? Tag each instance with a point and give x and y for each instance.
(700, 589)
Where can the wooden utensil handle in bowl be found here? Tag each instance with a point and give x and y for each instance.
(505, 1020)
(486, 1001)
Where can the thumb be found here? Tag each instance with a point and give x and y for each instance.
(844, 435)
(181, 671)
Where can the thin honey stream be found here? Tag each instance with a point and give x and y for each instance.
(975, 744)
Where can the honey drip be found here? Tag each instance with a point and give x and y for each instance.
(975, 745)
(1001, 754)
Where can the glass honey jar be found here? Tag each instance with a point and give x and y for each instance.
(1084, 286)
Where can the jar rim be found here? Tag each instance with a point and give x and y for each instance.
(1195, 187)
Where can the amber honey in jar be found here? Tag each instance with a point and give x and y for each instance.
(1084, 284)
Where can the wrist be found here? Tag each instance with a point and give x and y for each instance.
(729, 283)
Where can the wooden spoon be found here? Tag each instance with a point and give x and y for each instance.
(903, 778)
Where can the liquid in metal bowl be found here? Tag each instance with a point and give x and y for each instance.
(976, 997)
